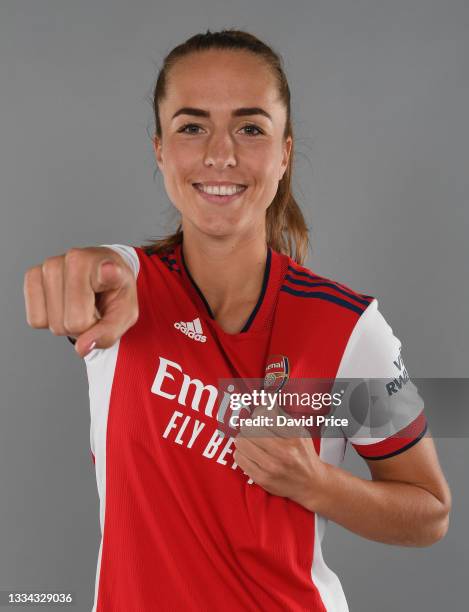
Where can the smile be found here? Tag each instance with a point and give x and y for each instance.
(220, 194)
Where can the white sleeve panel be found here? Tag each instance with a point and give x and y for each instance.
(372, 349)
(100, 369)
(381, 400)
(128, 253)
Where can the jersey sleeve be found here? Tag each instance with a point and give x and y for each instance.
(128, 253)
(382, 405)
(130, 256)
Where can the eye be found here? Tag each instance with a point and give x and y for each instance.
(251, 125)
(184, 127)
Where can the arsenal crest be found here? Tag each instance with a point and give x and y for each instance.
(277, 371)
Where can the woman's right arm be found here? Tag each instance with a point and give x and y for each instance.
(76, 295)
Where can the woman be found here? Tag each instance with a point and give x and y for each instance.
(193, 518)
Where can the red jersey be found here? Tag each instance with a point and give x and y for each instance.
(182, 526)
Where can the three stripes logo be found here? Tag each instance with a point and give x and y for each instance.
(192, 329)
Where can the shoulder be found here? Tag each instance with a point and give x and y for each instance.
(305, 284)
(373, 349)
(139, 257)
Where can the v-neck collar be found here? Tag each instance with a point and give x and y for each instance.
(260, 314)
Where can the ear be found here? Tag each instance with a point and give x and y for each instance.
(158, 151)
(287, 146)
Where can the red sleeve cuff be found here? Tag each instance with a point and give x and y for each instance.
(399, 442)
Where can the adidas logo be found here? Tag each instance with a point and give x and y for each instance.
(192, 329)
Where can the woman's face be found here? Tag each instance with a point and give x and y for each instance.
(214, 145)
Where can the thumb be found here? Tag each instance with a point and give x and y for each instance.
(117, 317)
(116, 307)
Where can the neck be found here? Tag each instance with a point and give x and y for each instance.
(229, 272)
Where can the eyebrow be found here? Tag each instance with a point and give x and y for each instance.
(238, 112)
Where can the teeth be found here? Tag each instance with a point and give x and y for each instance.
(222, 190)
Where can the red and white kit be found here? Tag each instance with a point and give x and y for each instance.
(183, 527)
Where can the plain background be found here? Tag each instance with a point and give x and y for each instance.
(380, 101)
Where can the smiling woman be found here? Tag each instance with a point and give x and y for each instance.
(195, 515)
(242, 136)
(248, 537)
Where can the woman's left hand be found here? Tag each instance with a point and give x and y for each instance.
(281, 459)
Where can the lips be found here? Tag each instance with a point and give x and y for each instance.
(221, 185)
(198, 187)
(219, 199)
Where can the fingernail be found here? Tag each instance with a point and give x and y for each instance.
(89, 348)
(102, 268)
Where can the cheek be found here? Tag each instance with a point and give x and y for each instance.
(266, 183)
(264, 163)
(179, 169)
(178, 159)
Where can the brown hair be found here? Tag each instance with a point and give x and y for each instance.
(286, 230)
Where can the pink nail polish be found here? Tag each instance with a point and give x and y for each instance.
(89, 348)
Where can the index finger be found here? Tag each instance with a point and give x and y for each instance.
(81, 284)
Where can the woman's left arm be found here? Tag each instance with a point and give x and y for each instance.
(407, 502)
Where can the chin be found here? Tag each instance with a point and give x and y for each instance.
(216, 225)
(218, 232)
(218, 229)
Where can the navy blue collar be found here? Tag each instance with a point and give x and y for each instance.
(265, 282)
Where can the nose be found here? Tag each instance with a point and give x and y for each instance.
(220, 152)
